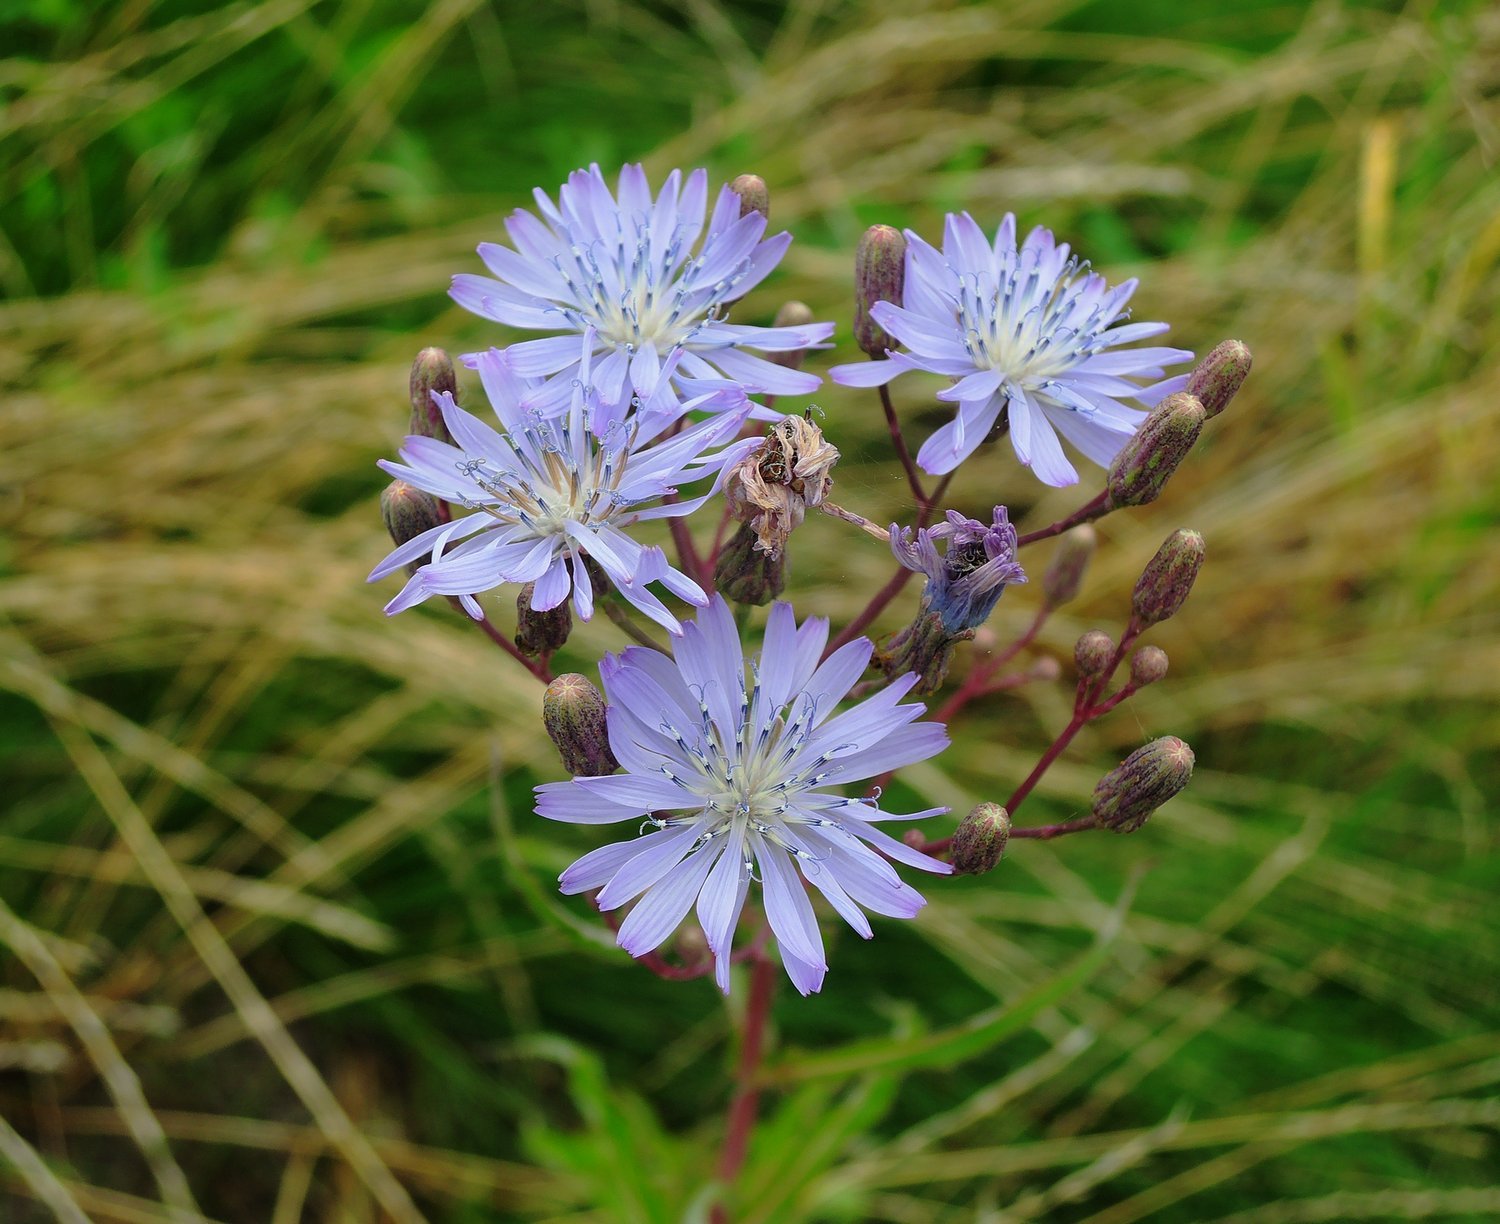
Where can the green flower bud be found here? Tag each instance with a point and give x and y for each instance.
(573, 712)
(746, 574)
(431, 371)
(539, 634)
(754, 195)
(1147, 666)
(408, 512)
(1144, 465)
(1093, 652)
(979, 840)
(879, 276)
(791, 314)
(1069, 564)
(925, 646)
(1219, 376)
(1164, 584)
(1128, 794)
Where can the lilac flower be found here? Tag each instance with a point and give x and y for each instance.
(966, 580)
(624, 266)
(547, 494)
(734, 777)
(1025, 330)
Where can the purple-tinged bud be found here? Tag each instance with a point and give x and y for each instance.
(746, 573)
(1168, 577)
(915, 838)
(573, 712)
(408, 512)
(1092, 653)
(980, 839)
(791, 314)
(1069, 564)
(1144, 465)
(754, 195)
(540, 634)
(1219, 376)
(1128, 794)
(879, 276)
(1147, 666)
(432, 371)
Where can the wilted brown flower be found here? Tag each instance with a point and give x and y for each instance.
(772, 487)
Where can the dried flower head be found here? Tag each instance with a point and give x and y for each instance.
(774, 484)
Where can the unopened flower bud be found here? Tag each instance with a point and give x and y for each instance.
(1219, 376)
(1147, 666)
(791, 314)
(1164, 584)
(432, 371)
(980, 839)
(540, 633)
(1069, 563)
(772, 486)
(753, 193)
(1128, 794)
(1093, 652)
(408, 512)
(879, 276)
(573, 712)
(746, 573)
(915, 838)
(1144, 465)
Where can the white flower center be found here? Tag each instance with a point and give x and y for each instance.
(1029, 332)
(571, 479)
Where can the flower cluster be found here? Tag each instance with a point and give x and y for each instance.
(735, 762)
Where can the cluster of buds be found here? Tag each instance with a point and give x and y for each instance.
(601, 429)
(964, 583)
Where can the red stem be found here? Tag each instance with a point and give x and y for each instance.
(537, 668)
(745, 1104)
(907, 466)
(1093, 509)
(976, 682)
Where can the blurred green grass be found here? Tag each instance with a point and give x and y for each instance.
(223, 232)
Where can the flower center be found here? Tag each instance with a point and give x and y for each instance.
(1030, 331)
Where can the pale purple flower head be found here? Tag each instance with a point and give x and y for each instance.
(548, 492)
(624, 265)
(1026, 329)
(965, 580)
(735, 778)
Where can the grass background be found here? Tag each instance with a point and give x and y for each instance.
(276, 922)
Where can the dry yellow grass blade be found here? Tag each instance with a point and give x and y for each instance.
(40, 1180)
(258, 1017)
(123, 1084)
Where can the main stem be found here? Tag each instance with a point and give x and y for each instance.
(746, 1103)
